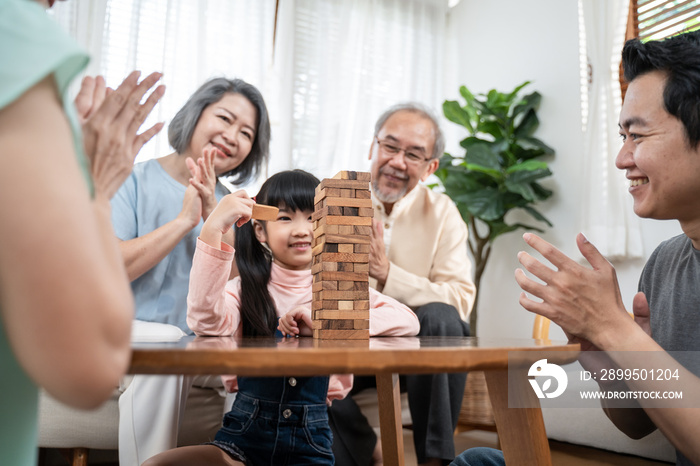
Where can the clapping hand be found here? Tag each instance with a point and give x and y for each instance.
(204, 180)
(110, 122)
(378, 262)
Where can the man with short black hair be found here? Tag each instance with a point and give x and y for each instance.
(660, 129)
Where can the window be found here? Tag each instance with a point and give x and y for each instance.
(658, 19)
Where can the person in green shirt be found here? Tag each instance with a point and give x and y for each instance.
(65, 303)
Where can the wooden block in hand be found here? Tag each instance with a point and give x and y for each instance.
(265, 212)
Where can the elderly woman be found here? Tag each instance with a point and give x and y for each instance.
(65, 303)
(222, 131)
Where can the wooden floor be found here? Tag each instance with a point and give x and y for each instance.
(563, 454)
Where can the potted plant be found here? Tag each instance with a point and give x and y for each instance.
(498, 172)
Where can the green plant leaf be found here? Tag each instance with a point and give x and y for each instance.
(519, 182)
(485, 204)
(528, 165)
(528, 125)
(471, 140)
(481, 154)
(535, 213)
(533, 144)
(529, 102)
(456, 114)
(517, 89)
(541, 192)
(466, 93)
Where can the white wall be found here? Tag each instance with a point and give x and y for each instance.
(500, 44)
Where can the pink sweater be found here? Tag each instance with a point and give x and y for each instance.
(213, 305)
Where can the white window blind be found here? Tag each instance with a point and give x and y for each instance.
(658, 19)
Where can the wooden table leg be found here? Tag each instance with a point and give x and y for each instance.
(389, 397)
(520, 430)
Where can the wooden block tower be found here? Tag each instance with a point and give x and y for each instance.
(342, 227)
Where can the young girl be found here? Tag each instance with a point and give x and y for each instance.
(273, 420)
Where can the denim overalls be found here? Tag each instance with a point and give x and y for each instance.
(278, 421)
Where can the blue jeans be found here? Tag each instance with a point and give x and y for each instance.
(278, 421)
(480, 457)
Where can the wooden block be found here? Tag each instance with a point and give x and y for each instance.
(341, 276)
(350, 211)
(324, 334)
(358, 286)
(329, 314)
(363, 194)
(345, 306)
(343, 184)
(326, 247)
(361, 324)
(321, 230)
(326, 211)
(324, 266)
(353, 175)
(346, 267)
(358, 249)
(345, 285)
(327, 305)
(349, 193)
(325, 285)
(345, 247)
(340, 257)
(345, 229)
(347, 239)
(361, 267)
(343, 220)
(264, 212)
(361, 305)
(345, 175)
(346, 202)
(336, 324)
(365, 212)
(325, 192)
(361, 230)
(331, 295)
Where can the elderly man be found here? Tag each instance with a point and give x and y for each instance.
(418, 255)
(660, 154)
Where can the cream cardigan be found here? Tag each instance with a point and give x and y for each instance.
(427, 252)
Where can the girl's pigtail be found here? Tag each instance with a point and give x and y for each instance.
(258, 314)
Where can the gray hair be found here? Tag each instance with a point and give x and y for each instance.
(415, 107)
(183, 124)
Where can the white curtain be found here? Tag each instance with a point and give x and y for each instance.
(608, 219)
(189, 41)
(337, 64)
(343, 63)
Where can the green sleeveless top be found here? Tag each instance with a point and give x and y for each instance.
(32, 47)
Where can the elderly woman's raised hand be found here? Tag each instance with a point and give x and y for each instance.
(111, 120)
(204, 180)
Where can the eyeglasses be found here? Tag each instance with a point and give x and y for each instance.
(411, 157)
